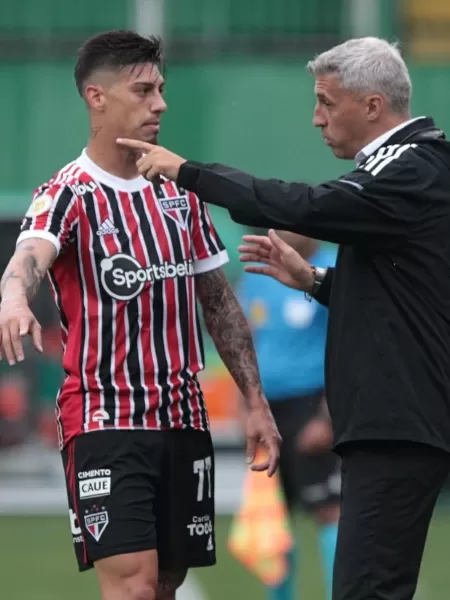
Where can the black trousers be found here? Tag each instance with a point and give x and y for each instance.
(389, 491)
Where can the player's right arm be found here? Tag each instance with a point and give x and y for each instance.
(19, 285)
(47, 226)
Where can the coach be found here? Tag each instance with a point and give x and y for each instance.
(388, 350)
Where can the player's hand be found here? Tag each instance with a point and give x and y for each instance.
(155, 160)
(262, 431)
(282, 262)
(16, 321)
(316, 437)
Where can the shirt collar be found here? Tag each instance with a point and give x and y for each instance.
(373, 146)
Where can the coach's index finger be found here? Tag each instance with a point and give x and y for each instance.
(135, 144)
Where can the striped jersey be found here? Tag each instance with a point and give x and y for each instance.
(124, 283)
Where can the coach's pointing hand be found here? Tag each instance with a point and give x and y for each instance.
(155, 160)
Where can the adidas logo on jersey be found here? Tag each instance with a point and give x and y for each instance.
(107, 228)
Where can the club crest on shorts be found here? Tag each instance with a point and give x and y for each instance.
(96, 522)
(176, 208)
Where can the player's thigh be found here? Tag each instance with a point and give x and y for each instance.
(185, 509)
(137, 576)
(112, 483)
(131, 576)
(388, 495)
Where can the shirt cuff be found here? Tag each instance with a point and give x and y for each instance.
(41, 234)
(210, 262)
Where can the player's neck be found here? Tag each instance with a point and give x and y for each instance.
(112, 159)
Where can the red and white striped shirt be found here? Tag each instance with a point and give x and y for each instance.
(124, 285)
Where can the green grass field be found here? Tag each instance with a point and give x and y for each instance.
(37, 562)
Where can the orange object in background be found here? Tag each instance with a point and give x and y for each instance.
(13, 410)
(222, 399)
(260, 536)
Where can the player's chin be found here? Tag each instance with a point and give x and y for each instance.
(148, 134)
(150, 138)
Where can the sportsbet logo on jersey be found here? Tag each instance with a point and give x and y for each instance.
(124, 278)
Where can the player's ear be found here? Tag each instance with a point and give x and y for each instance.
(95, 97)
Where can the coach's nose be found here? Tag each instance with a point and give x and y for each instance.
(319, 119)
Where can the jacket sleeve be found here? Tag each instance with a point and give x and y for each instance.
(374, 207)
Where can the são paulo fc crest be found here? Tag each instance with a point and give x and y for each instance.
(176, 208)
(96, 522)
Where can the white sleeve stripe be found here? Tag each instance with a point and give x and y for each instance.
(358, 186)
(385, 156)
(390, 159)
(40, 234)
(381, 154)
(211, 262)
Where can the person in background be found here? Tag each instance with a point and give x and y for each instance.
(289, 331)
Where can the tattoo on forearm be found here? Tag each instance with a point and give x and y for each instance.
(26, 273)
(229, 329)
(7, 277)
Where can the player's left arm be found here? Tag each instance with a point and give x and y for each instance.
(230, 331)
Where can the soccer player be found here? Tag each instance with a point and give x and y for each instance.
(289, 331)
(127, 261)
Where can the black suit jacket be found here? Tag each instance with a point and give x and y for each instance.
(388, 347)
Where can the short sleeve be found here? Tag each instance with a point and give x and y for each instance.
(207, 248)
(52, 215)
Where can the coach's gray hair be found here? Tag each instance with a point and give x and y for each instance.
(368, 65)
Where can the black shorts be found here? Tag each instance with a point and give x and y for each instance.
(311, 480)
(131, 491)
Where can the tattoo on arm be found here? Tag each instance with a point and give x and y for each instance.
(229, 329)
(24, 272)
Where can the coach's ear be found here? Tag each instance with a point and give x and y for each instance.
(375, 105)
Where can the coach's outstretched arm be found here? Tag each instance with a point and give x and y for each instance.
(360, 208)
(231, 334)
(18, 287)
(372, 207)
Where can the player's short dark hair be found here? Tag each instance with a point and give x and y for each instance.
(113, 50)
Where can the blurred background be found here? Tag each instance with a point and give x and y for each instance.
(238, 93)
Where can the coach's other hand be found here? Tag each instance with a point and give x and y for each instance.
(155, 160)
(283, 263)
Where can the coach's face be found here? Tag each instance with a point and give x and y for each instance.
(134, 102)
(342, 116)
